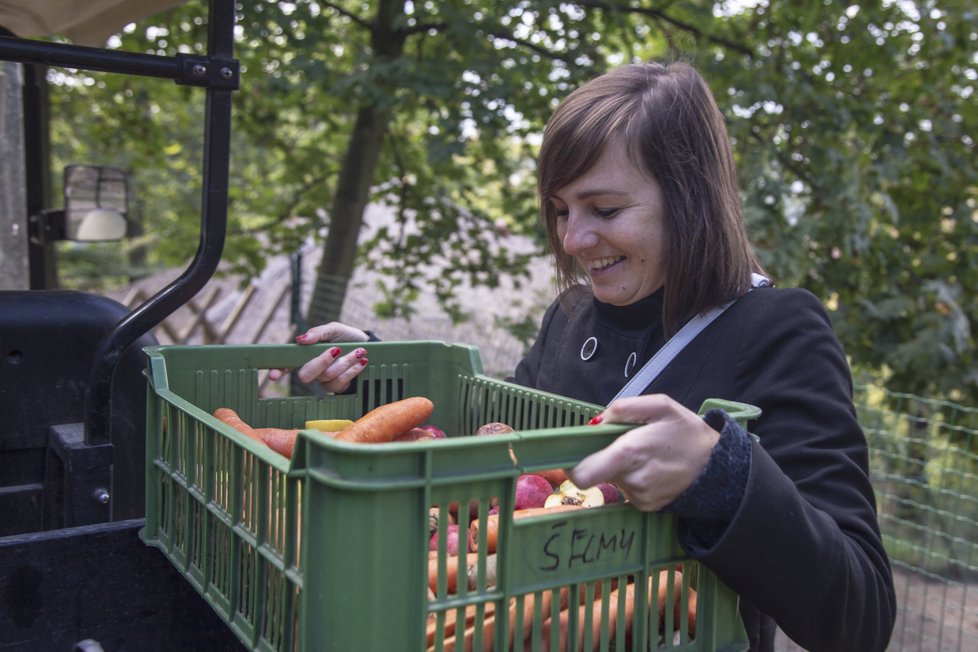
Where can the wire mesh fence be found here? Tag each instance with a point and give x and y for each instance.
(924, 466)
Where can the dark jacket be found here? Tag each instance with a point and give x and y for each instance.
(804, 548)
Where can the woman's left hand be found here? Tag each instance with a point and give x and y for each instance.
(657, 460)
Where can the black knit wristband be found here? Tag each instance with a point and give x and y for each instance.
(716, 494)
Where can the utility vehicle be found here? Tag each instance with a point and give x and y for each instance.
(73, 572)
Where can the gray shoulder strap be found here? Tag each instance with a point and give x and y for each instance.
(676, 343)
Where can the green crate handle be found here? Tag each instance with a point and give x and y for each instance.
(565, 447)
(293, 356)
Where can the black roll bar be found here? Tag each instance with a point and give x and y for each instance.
(218, 73)
(190, 69)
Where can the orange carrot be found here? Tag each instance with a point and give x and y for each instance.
(451, 570)
(492, 524)
(386, 422)
(594, 614)
(280, 440)
(230, 417)
(489, 625)
(677, 587)
(450, 623)
(590, 618)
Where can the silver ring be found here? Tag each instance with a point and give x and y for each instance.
(589, 348)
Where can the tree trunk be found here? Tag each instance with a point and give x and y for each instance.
(346, 216)
(355, 180)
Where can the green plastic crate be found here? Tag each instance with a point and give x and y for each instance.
(329, 551)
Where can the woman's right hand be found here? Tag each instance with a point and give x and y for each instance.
(331, 370)
(656, 461)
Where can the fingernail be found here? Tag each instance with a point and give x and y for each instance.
(360, 353)
(335, 351)
(302, 338)
(363, 362)
(595, 420)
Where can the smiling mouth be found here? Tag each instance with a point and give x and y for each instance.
(603, 263)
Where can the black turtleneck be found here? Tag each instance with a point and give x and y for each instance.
(599, 341)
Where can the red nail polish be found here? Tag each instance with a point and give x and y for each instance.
(363, 361)
(335, 351)
(360, 353)
(301, 338)
(595, 420)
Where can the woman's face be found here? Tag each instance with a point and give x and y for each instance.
(611, 220)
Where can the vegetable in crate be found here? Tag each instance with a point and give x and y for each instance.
(612, 494)
(494, 428)
(593, 615)
(414, 434)
(451, 539)
(280, 440)
(453, 636)
(231, 418)
(422, 433)
(452, 571)
(531, 491)
(451, 625)
(327, 425)
(472, 572)
(436, 432)
(492, 524)
(555, 477)
(387, 422)
(570, 494)
(433, 515)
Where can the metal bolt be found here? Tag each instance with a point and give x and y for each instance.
(226, 73)
(101, 496)
(199, 70)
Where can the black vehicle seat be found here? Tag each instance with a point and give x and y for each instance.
(48, 339)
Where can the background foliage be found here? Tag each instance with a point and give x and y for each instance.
(854, 126)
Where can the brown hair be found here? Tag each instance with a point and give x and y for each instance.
(674, 132)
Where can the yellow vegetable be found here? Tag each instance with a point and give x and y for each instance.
(328, 425)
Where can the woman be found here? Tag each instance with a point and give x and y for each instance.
(640, 201)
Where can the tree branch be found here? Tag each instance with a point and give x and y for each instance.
(505, 36)
(343, 12)
(528, 45)
(660, 15)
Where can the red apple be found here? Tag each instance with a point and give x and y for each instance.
(531, 491)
